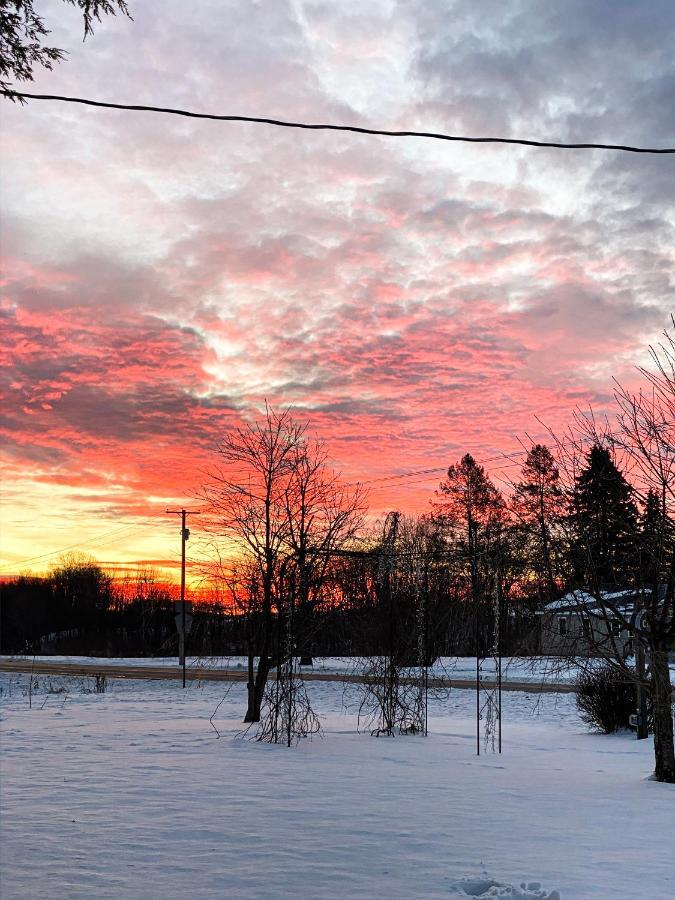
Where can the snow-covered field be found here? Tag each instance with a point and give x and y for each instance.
(131, 794)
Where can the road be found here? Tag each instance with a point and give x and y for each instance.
(202, 673)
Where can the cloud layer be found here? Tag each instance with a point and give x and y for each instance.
(162, 277)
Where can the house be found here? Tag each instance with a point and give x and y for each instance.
(582, 624)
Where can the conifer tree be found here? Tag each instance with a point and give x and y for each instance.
(655, 542)
(538, 505)
(473, 513)
(605, 523)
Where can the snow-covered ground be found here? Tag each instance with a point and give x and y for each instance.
(131, 794)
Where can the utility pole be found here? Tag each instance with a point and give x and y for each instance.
(184, 534)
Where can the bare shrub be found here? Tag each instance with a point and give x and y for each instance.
(287, 714)
(605, 698)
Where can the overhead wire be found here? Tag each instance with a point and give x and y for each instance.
(106, 538)
(512, 458)
(354, 129)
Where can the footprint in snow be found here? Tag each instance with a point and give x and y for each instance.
(485, 888)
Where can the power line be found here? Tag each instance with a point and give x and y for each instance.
(101, 537)
(403, 475)
(511, 457)
(354, 129)
(512, 460)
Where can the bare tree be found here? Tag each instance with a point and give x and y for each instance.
(645, 435)
(277, 516)
(642, 438)
(323, 516)
(246, 497)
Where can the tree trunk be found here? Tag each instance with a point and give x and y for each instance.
(303, 641)
(256, 686)
(250, 687)
(664, 750)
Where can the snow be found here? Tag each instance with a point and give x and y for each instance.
(132, 794)
(488, 887)
(574, 599)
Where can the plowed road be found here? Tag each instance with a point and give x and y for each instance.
(195, 673)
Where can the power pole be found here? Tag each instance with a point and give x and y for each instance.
(184, 534)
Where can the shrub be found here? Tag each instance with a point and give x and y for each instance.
(605, 698)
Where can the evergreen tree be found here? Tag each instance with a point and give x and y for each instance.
(656, 541)
(605, 523)
(473, 513)
(538, 505)
(468, 502)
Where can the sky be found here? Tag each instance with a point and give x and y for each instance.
(413, 300)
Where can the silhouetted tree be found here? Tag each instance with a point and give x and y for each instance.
(538, 504)
(23, 32)
(474, 516)
(612, 547)
(283, 514)
(605, 519)
(26, 613)
(656, 538)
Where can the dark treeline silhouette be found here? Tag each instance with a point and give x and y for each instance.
(475, 552)
(79, 609)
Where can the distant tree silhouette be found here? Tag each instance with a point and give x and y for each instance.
(475, 518)
(83, 592)
(656, 539)
(538, 503)
(470, 507)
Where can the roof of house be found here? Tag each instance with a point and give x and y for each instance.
(621, 601)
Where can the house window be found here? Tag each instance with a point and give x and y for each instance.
(586, 627)
(562, 626)
(616, 627)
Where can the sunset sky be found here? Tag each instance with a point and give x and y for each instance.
(412, 299)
